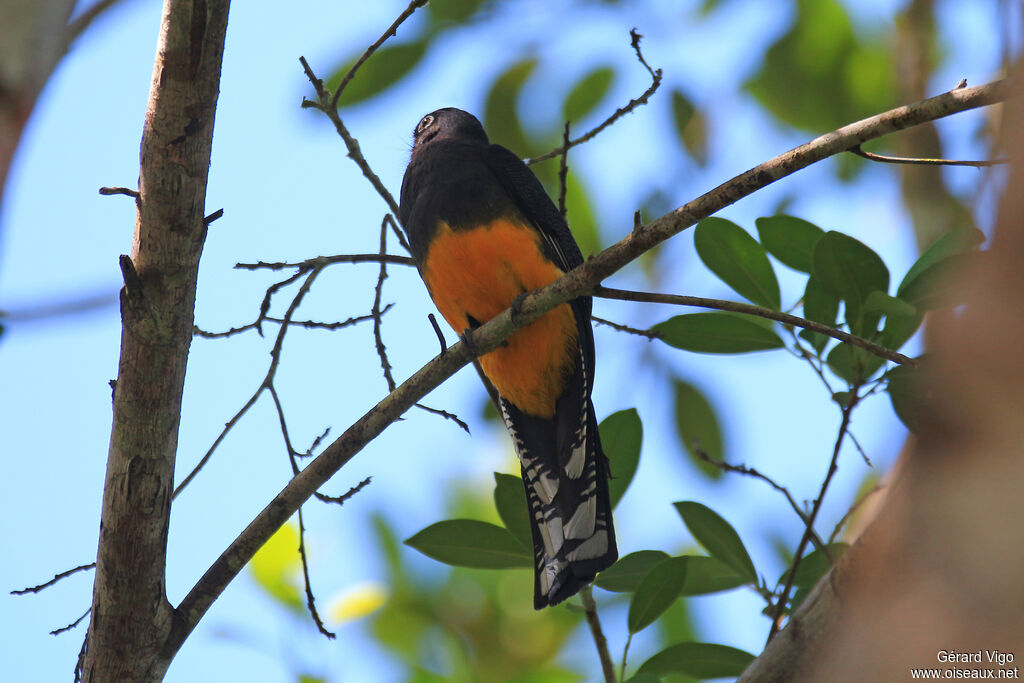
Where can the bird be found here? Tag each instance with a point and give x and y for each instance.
(483, 233)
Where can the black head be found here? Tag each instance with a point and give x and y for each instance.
(447, 123)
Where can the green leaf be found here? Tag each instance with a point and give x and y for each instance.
(698, 660)
(952, 243)
(691, 127)
(909, 400)
(738, 260)
(644, 678)
(580, 215)
(453, 11)
(716, 333)
(707, 575)
(789, 239)
(717, 537)
(698, 426)
(510, 500)
(939, 284)
(471, 543)
(656, 592)
(880, 302)
(820, 307)
(587, 93)
(622, 434)
(849, 270)
(853, 365)
(501, 111)
(277, 568)
(384, 68)
(815, 565)
(626, 574)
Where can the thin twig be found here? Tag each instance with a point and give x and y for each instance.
(340, 500)
(76, 622)
(378, 291)
(108, 191)
(617, 114)
(392, 30)
(780, 606)
(590, 610)
(55, 579)
(323, 103)
(760, 311)
(626, 328)
(438, 332)
(751, 472)
(916, 161)
(310, 599)
(625, 654)
(323, 261)
(306, 324)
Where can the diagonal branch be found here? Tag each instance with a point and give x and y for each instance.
(580, 281)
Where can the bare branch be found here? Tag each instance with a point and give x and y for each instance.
(323, 261)
(617, 114)
(55, 579)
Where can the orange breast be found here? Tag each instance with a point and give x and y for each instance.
(478, 273)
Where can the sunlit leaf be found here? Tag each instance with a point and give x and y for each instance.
(716, 333)
(587, 93)
(357, 602)
(789, 239)
(277, 568)
(698, 660)
(621, 436)
(738, 260)
(626, 574)
(717, 537)
(384, 68)
(655, 593)
(471, 543)
(510, 500)
(698, 426)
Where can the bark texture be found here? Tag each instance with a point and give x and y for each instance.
(131, 617)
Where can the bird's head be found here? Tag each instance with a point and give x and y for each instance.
(447, 123)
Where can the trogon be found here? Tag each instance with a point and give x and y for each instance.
(483, 232)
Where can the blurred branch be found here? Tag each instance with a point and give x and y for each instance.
(760, 311)
(579, 282)
(83, 21)
(590, 611)
(617, 114)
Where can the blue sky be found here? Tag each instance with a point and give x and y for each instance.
(289, 193)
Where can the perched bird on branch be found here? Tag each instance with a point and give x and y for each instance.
(484, 233)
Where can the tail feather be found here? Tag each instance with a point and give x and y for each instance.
(570, 516)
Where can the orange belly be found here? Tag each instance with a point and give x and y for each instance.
(477, 273)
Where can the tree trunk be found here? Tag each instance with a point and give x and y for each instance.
(131, 617)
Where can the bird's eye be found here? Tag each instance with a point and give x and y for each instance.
(426, 121)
